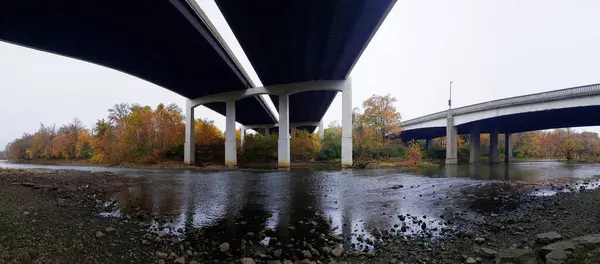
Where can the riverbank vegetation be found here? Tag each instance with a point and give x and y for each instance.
(135, 134)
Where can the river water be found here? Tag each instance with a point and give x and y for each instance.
(347, 202)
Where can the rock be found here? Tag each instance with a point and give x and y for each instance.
(180, 260)
(61, 202)
(587, 240)
(287, 262)
(161, 261)
(247, 261)
(161, 255)
(26, 213)
(337, 252)
(99, 234)
(560, 245)
(224, 247)
(109, 229)
(397, 186)
(193, 262)
(277, 253)
(471, 261)
(556, 257)
(273, 262)
(487, 252)
(549, 237)
(326, 250)
(393, 261)
(517, 256)
(480, 240)
(306, 254)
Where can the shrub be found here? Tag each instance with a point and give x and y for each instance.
(414, 154)
(304, 146)
(260, 148)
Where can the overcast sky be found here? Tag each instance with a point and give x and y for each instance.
(490, 49)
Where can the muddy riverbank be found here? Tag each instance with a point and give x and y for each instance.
(63, 216)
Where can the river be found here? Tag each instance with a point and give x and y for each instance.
(348, 202)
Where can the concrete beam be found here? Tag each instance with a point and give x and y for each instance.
(189, 150)
(280, 89)
(283, 143)
(230, 141)
(474, 146)
(494, 146)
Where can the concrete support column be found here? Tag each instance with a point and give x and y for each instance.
(429, 144)
(451, 142)
(347, 127)
(242, 135)
(283, 143)
(474, 146)
(508, 148)
(189, 152)
(494, 146)
(321, 130)
(230, 142)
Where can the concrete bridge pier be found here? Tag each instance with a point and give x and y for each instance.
(347, 125)
(494, 146)
(283, 143)
(230, 141)
(508, 148)
(474, 145)
(451, 142)
(429, 144)
(242, 135)
(189, 149)
(321, 130)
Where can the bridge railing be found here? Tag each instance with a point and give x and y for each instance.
(512, 101)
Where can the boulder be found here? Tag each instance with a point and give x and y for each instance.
(517, 256)
(471, 261)
(548, 237)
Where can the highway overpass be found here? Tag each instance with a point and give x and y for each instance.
(302, 50)
(571, 107)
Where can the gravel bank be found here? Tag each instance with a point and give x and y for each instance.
(51, 216)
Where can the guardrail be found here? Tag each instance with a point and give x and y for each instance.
(578, 91)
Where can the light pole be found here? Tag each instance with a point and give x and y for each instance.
(450, 98)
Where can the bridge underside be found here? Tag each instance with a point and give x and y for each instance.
(158, 41)
(549, 119)
(304, 40)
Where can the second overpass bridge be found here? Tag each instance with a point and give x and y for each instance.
(571, 107)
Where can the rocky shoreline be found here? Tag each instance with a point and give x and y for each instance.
(52, 216)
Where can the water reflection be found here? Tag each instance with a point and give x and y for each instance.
(281, 208)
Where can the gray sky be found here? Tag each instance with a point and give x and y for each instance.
(490, 49)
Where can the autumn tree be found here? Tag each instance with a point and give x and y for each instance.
(380, 114)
